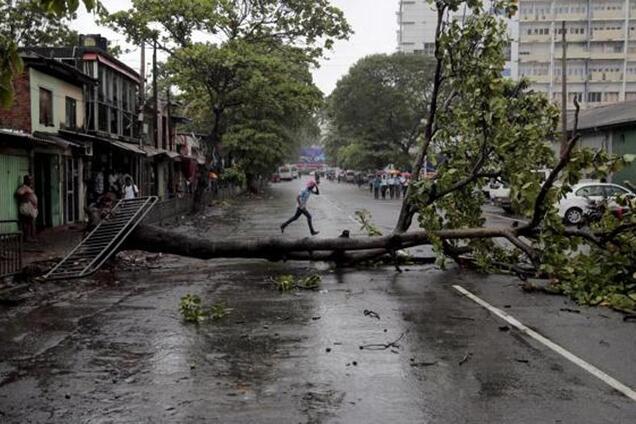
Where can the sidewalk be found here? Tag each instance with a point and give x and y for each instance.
(52, 243)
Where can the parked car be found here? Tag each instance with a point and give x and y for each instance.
(294, 172)
(275, 178)
(285, 173)
(574, 206)
(500, 191)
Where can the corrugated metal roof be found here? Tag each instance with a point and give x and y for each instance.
(605, 116)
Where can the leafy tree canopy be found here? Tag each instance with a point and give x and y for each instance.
(29, 23)
(376, 111)
(483, 125)
(241, 66)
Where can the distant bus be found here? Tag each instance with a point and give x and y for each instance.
(285, 173)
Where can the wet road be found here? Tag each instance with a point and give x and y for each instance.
(115, 350)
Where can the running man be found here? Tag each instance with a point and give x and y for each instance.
(301, 200)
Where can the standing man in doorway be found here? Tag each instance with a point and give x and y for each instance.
(130, 189)
(27, 207)
(301, 209)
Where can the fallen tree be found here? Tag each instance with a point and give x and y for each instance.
(479, 126)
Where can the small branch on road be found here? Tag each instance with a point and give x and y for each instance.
(383, 346)
(465, 358)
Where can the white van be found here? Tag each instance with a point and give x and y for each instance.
(294, 172)
(285, 173)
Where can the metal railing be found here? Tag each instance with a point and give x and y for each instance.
(91, 253)
(10, 251)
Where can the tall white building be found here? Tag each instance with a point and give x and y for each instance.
(417, 20)
(601, 48)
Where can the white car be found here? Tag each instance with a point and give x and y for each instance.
(576, 202)
(285, 173)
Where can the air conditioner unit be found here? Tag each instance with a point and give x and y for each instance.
(88, 149)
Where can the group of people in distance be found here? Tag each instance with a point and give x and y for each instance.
(393, 185)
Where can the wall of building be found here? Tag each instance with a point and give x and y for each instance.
(18, 117)
(61, 90)
(417, 21)
(601, 48)
(623, 143)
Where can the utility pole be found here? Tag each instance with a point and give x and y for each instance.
(168, 114)
(155, 104)
(142, 72)
(564, 90)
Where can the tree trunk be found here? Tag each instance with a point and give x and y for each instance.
(154, 239)
(406, 213)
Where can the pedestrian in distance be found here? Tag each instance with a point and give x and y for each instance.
(27, 207)
(405, 185)
(383, 186)
(301, 206)
(376, 181)
(391, 184)
(130, 189)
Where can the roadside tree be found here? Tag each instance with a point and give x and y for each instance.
(32, 23)
(375, 112)
(249, 79)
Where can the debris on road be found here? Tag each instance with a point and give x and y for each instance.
(285, 283)
(574, 311)
(423, 364)
(383, 346)
(372, 314)
(465, 358)
(460, 318)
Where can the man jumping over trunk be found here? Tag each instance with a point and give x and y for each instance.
(301, 200)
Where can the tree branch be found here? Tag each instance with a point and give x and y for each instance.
(539, 203)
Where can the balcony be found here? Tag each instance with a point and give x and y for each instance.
(573, 53)
(608, 15)
(535, 38)
(606, 77)
(570, 17)
(536, 18)
(542, 79)
(606, 55)
(614, 35)
(535, 57)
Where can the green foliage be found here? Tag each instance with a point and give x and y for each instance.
(193, 311)
(251, 87)
(234, 176)
(487, 125)
(31, 23)
(286, 283)
(375, 113)
(366, 224)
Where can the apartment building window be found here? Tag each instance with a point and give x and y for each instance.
(575, 95)
(102, 117)
(46, 107)
(610, 97)
(594, 97)
(429, 49)
(71, 113)
(114, 121)
(630, 95)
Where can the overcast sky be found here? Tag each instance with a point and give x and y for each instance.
(374, 23)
